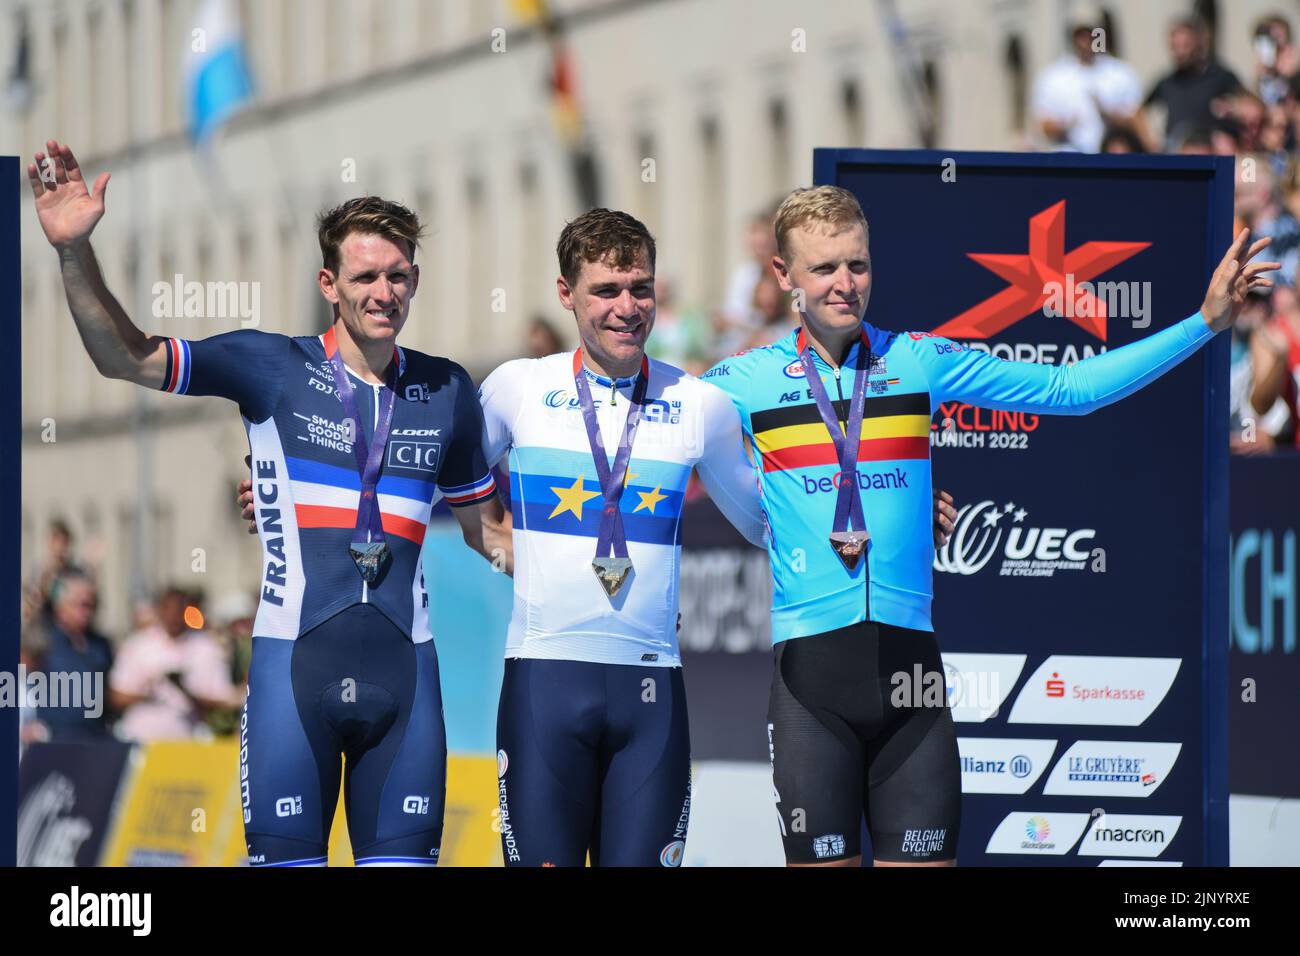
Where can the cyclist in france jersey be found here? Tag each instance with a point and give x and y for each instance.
(851, 561)
(351, 438)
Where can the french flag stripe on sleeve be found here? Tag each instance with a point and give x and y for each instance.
(177, 376)
(470, 494)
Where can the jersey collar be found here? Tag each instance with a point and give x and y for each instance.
(605, 381)
(331, 344)
(850, 360)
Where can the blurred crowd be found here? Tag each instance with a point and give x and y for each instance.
(1090, 100)
(177, 675)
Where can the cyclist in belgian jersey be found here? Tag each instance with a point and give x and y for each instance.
(351, 438)
(839, 415)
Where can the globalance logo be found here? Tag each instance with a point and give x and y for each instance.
(1037, 829)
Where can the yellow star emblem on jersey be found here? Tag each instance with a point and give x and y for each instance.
(629, 475)
(649, 499)
(572, 498)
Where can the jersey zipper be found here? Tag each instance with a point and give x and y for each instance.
(365, 585)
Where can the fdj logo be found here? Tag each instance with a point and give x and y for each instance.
(414, 455)
(288, 807)
(414, 804)
(663, 413)
(884, 479)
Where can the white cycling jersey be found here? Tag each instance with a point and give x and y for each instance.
(561, 611)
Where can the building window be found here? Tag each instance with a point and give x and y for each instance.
(711, 220)
(1014, 61)
(532, 257)
(175, 43)
(855, 127)
(479, 293)
(933, 93)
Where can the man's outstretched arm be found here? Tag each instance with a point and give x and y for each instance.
(967, 375)
(68, 213)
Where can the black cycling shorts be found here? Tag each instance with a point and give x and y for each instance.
(853, 733)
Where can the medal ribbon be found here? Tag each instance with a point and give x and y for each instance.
(611, 536)
(848, 504)
(369, 458)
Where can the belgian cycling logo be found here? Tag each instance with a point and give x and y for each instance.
(288, 807)
(416, 804)
(1050, 278)
(1029, 551)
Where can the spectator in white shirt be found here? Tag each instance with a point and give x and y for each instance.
(1079, 95)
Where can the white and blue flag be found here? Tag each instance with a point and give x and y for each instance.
(216, 72)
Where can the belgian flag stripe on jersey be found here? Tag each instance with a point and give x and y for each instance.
(805, 413)
(894, 427)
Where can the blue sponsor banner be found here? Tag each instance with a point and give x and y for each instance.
(1264, 662)
(1082, 605)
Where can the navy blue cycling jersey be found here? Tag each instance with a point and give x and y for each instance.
(305, 482)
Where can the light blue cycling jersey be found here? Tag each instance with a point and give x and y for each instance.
(911, 373)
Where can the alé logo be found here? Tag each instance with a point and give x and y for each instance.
(1048, 277)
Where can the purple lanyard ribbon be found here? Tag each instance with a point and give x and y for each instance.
(369, 527)
(611, 537)
(848, 504)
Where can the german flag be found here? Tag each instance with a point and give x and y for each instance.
(894, 427)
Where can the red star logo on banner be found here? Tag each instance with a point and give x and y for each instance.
(1028, 275)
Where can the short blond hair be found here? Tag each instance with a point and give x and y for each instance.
(821, 208)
